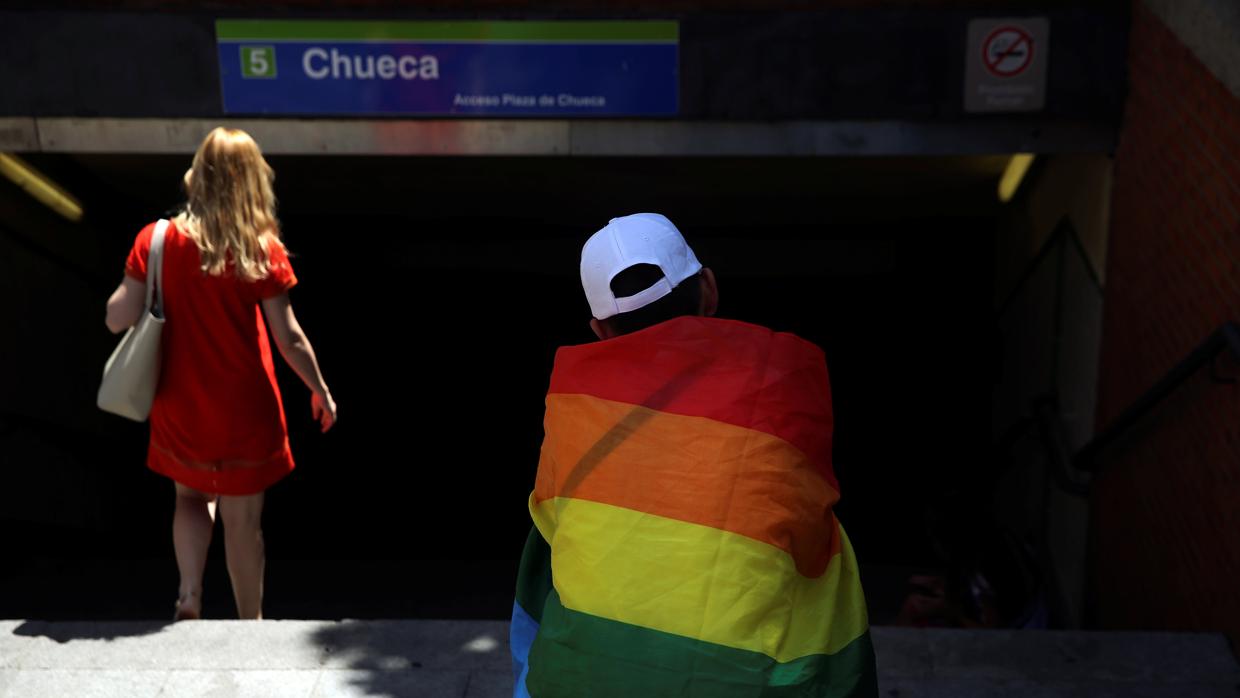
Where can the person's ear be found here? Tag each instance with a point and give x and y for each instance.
(602, 330)
(710, 292)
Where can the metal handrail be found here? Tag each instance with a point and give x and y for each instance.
(1226, 336)
(1050, 426)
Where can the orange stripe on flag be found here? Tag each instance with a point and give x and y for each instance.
(725, 370)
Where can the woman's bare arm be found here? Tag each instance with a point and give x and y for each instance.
(297, 352)
(126, 305)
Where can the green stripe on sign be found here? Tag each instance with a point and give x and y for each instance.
(532, 32)
(577, 654)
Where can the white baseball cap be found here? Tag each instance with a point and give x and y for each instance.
(642, 238)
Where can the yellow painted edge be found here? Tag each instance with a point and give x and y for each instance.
(40, 187)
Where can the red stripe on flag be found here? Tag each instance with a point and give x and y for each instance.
(729, 371)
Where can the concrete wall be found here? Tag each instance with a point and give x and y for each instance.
(1166, 547)
(1051, 244)
(1050, 261)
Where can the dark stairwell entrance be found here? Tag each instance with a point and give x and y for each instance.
(436, 291)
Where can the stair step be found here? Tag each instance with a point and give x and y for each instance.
(470, 658)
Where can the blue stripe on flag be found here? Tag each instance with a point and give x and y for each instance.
(520, 638)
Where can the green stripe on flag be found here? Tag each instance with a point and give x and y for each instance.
(577, 654)
(534, 575)
(531, 32)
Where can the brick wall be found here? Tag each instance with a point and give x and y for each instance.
(1166, 522)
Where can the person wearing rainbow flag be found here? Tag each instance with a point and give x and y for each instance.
(684, 542)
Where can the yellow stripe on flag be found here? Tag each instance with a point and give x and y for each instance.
(698, 582)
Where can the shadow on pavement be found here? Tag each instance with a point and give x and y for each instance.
(436, 657)
(65, 632)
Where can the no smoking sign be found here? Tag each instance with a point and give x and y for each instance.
(1007, 51)
(1005, 68)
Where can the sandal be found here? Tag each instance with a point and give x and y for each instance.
(185, 610)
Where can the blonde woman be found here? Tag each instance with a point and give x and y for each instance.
(217, 424)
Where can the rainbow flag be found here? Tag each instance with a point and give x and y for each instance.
(684, 542)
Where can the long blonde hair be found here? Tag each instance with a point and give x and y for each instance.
(231, 208)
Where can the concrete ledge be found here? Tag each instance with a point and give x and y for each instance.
(586, 138)
(470, 659)
(268, 658)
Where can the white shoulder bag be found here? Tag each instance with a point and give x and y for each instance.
(132, 373)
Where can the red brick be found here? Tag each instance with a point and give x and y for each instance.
(1173, 275)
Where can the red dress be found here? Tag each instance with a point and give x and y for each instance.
(217, 424)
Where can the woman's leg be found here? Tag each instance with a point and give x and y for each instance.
(243, 545)
(191, 538)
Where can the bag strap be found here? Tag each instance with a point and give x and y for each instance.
(155, 270)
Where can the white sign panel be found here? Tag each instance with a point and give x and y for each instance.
(1005, 65)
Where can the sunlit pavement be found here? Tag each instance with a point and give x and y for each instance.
(264, 658)
(222, 659)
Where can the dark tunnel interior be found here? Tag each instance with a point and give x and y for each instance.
(435, 291)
